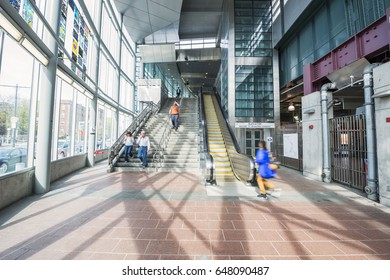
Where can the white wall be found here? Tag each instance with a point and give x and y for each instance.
(382, 112)
(149, 90)
(312, 138)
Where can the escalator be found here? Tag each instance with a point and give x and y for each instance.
(217, 147)
(230, 165)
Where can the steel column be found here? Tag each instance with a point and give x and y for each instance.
(46, 105)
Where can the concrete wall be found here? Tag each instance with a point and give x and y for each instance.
(382, 112)
(312, 138)
(65, 166)
(16, 186)
(102, 156)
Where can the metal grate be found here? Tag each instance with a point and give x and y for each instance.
(348, 149)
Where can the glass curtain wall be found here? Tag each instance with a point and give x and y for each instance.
(254, 83)
(153, 71)
(75, 85)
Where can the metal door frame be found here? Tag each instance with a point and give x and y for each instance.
(348, 150)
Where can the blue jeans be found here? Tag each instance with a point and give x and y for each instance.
(128, 150)
(175, 120)
(143, 155)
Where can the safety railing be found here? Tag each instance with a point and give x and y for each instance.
(117, 148)
(244, 167)
(159, 151)
(207, 160)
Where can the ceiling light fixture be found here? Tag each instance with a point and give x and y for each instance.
(10, 28)
(31, 48)
(291, 107)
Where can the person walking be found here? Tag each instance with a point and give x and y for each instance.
(265, 171)
(174, 112)
(143, 148)
(129, 142)
(178, 92)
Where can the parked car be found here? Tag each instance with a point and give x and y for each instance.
(9, 157)
(62, 148)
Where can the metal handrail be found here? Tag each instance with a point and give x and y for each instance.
(208, 160)
(243, 166)
(117, 148)
(157, 160)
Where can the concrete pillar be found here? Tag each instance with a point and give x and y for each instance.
(312, 135)
(94, 101)
(118, 133)
(382, 122)
(46, 103)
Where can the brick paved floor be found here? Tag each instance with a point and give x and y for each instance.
(95, 215)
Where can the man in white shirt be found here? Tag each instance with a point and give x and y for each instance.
(143, 148)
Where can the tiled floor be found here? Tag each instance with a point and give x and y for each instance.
(95, 215)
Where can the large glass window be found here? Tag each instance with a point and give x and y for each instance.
(108, 80)
(20, 74)
(128, 61)
(253, 34)
(110, 34)
(65, 121)
(126, 94)
(80, 138)
(75, 37)
(16, 86)
(254, 92)
(110, 128)
(100, 126)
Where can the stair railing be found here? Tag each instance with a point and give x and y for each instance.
(117, 148)
(159, 152)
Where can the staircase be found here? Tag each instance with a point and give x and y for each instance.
(154, 130)
(181, 152)
(217, 147)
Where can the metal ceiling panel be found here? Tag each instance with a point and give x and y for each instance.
(168, 35)
(200, 18)
(144, 17)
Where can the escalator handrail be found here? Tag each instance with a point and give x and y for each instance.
(209, 166)
(251, 163)
(117, 149)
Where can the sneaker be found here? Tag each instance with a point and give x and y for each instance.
(263, 196)
(143, 167)
(176, 128)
